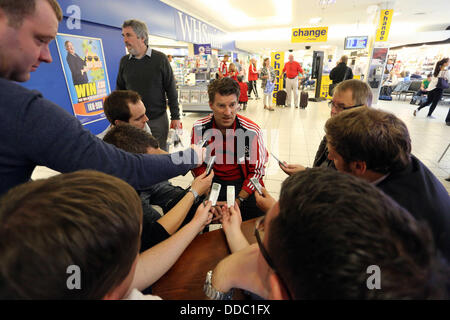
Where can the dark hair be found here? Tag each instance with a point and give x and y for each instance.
(439, 64)
(377, 137)
(332, 226)
(116, 105)
(130, 139)
(224, 87)
(86, 218)
(17, 10)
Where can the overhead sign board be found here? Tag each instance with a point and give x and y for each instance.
(384, 25)
(300, 35)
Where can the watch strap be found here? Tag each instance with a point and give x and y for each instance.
(214, 294)
(196, 196)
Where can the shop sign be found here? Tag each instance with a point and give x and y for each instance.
(277, 59)
(191, 30)
(202, 49)
(384, 25)
(300, 35)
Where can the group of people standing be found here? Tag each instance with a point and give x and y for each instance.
(292, 69)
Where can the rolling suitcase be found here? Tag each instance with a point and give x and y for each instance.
(303, 99)
(281, 97)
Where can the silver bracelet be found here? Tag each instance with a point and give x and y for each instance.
(214, 294)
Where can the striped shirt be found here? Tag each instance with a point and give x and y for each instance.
(241, 153)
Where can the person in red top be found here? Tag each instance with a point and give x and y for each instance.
(237, 143)
(232, 72)
(292, 69)
(223, 69)
(243, 98)
(252, 77)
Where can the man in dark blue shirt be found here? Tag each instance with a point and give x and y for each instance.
(36, 131)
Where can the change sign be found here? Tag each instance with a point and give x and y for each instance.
(300, 35)
(384, 25)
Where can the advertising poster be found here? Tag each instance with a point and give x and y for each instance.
(202, 49)
(84, 67)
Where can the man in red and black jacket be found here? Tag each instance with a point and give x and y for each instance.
(237, 143)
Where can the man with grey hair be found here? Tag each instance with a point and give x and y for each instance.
(148, 72)
(348, 94)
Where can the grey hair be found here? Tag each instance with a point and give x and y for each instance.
(139, 27)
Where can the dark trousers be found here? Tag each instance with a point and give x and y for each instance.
(434, 96)
(252, 88)
(447, 119)
(249, 210)
(160, 130)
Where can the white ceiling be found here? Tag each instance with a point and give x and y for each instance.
(264, 25)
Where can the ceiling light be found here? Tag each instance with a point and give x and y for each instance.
(315, 20)
(325, 3)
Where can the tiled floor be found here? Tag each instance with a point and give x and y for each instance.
(294, 135)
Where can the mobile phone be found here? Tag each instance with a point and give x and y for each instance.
(214, 194)
(257, 185)
(230, 196)
(210, 165)
(279, 161)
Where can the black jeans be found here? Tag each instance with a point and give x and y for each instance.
(252, 87)
(160, 130)
(434, 96)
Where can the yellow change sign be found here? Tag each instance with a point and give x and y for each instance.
(384, 25)
(309, 35)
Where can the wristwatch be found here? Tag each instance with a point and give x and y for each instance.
(241, 200)
(214, 294)
(194, 193)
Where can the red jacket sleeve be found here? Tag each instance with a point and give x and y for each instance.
(256, 166)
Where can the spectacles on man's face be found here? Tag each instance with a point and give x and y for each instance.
(341, 107)
(259, 234)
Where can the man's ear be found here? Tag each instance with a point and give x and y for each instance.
(358, 168)
(119, 122)
(277, 290)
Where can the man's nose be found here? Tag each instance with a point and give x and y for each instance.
(46, 56)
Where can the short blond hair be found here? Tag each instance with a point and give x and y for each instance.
(361, 92)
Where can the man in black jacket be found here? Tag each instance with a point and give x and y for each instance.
(76, 64)
(148, 72)
(340, 73)
(375, 145)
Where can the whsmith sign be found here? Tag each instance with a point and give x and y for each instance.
(192, 30)
(300, 35)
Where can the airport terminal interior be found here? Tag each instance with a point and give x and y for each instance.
(288, 58)
(418, 37)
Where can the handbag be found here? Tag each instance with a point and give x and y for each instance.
(269, 87)
(442, 83)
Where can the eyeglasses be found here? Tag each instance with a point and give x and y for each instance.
(259, 234)
(332, 105)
